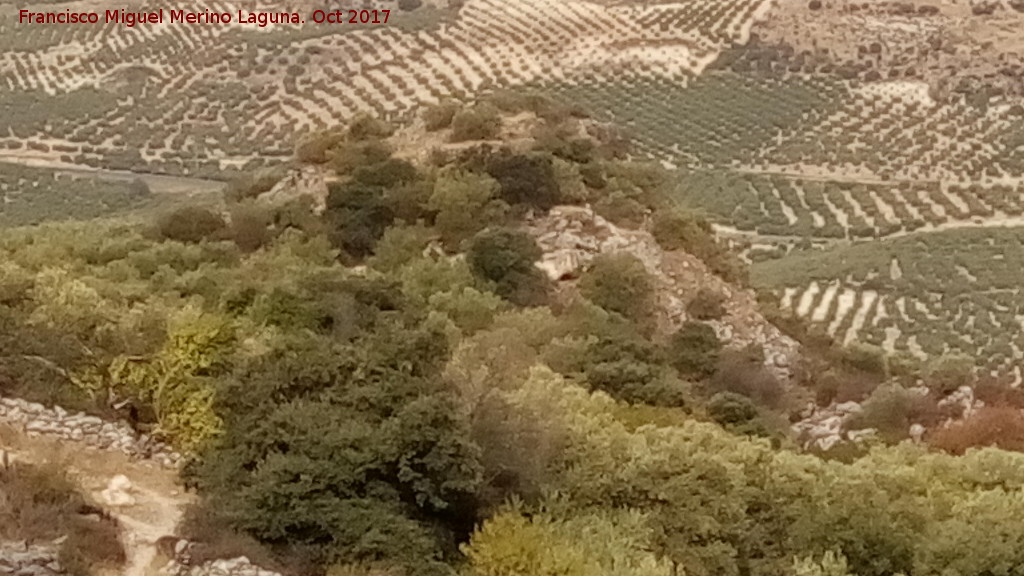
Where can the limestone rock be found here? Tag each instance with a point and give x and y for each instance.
(118, 492)
(570, 237)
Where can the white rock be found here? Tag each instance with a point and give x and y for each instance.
(117, 493)
(917, 432)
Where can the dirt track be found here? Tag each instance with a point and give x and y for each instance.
(160, 500)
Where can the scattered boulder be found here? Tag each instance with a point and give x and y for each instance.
(118, 492)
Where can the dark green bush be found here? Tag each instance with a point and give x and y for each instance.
(191, 224)
(694, 350)
(440, 115)
(507, 258)
(620, 283)
(707, 305)
(743, 372)
(479, 122)
(525, 179)
(731, 409)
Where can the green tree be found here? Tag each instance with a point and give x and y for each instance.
(525, 179)
(694, 350)
(620, 283)
(506, 258)
(353, 453)
(464, 203)
(190, 224)
(479, 122)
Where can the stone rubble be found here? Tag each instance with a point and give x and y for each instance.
(963, 399)
(181, 565)
(21, 559)
(117, 494)
(38, 420)
(306, 181)
(572, 236)
(823, 428)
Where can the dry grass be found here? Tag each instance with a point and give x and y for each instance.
(41, 503)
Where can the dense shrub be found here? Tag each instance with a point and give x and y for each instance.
(366, 128)
(479, 122)
(869, 360)
(506, 258)
(892, 409)
(525, 179)
(620, 283)
(439, 116)
(390, 173)
(707, 305)
(839, 385)
(250, 226)
(563, 141)
(346, 453)
(999, 426)
(463, 204)
(314, 148)
(681, 230)
(694, 350)
(998, 392)
(346, 157)
(730, 409)
(623, 365)
(215, 539)
(743, 372)
(949, 373)
(358, 214)
(191, 224)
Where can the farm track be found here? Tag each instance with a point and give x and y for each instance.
(158, 183)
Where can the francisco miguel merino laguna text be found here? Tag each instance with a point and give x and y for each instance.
(160, 16)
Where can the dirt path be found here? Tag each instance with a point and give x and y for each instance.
(158, 183)
(159, 499)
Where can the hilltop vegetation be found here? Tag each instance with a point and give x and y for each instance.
(390, 386)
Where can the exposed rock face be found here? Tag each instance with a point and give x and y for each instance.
(38, 420)
(825, 427)
(571, 237)
(307, 181)
(20, 559)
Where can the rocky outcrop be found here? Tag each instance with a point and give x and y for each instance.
(963, 402)
(38, 420)
(824, 428)
(306, 181)
(21, 559)
(572, 236)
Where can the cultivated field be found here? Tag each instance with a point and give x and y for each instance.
(205, 100)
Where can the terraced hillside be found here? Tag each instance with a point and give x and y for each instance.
(194, 99)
